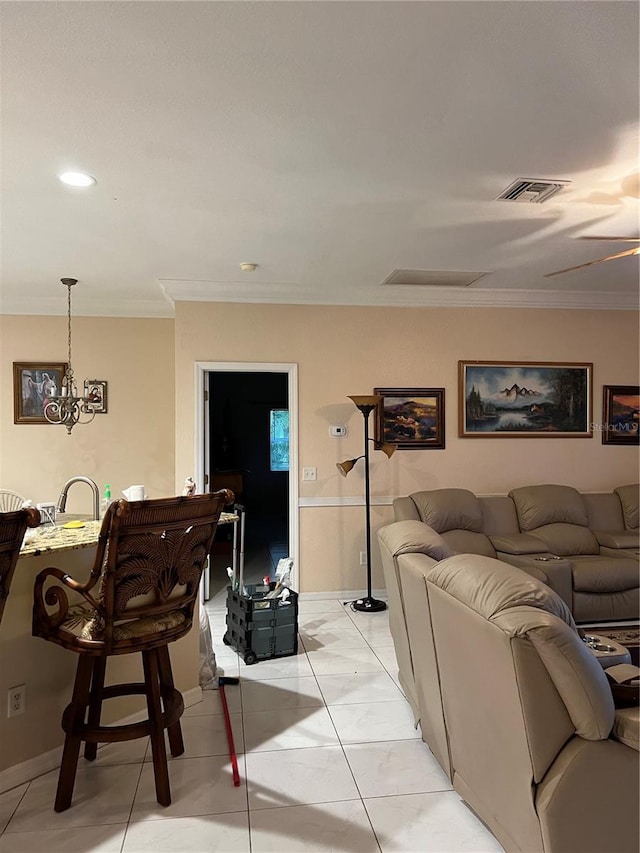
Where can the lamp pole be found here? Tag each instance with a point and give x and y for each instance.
(366, 406)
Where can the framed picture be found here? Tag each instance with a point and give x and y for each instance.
(620, 407)
(411, 418)
(96, 391)
(33, 383)
(525, 399)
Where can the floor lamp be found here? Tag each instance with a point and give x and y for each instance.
(366, 405)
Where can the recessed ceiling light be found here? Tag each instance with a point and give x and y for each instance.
(77, 179)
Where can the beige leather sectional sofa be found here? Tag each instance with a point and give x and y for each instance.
(584, 546)
(512, 703)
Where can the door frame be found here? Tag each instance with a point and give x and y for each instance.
(202, 370)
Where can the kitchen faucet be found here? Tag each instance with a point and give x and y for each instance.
(62, 500)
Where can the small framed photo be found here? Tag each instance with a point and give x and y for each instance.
(33, 383)
(524, 399)
(620, 408)
(411, 418)
(95, 390)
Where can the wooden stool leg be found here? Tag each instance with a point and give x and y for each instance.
(176, 742)
(158, 746)
(95, 703)
(75, 719)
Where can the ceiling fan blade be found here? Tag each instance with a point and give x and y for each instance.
(614, 239)
(628, 252)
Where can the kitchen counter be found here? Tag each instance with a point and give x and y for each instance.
(48, 538)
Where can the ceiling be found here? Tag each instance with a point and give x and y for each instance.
(330, 143)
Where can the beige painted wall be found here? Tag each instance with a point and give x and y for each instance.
(133, 443)
(350, 350)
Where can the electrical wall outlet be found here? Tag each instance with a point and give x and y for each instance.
(16, 700)
(363, 558)
(308, 474)
(47, 512)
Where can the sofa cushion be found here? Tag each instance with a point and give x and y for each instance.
(626, 727)
(449, 509)
(502, 586)
(618, 538)
(565, 540)
(467, 542)
(598, 574)
(414, 537)
(541, 505)
(629, 498)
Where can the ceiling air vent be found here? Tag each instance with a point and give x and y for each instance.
(433, 278)
(532, 189)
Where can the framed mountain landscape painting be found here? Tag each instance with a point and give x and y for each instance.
(620, 414)
(525, 399)
(411, 418)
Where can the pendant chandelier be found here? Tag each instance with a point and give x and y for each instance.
(67, 408)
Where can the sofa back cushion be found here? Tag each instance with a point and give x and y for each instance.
(558, 516)
(457, 515)
(629, 498)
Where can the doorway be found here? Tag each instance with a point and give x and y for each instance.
(249, 445)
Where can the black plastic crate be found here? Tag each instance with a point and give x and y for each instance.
(260, 628)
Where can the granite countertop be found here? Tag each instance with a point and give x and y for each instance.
(48, 538)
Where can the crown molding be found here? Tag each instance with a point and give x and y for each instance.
(179, 290)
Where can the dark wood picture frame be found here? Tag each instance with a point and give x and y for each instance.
(33, 382)
(96, 391)
(411, 418)
(525, 399)
(620, 412)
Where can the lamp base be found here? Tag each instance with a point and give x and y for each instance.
(369, 605)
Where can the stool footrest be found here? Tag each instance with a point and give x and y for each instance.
(172, 702)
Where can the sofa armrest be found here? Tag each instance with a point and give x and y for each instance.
(516, 543)
(557, 572)
(626, 727)
(617, 538)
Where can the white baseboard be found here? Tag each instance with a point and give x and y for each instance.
(47, 761)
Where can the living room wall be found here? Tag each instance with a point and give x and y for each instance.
(351, 350)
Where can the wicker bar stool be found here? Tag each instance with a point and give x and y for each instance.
(139, 597)
(12, 530)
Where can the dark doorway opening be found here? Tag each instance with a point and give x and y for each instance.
(241, 407)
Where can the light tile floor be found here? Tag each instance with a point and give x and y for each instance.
(328, 756)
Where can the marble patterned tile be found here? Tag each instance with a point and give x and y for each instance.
(358, 688)
(339, 638)
(388, 768)
(289, 666)
(221, 833)
(428, 823)
(206, 735)
(375, 721)
(324, 622)
(319, 605)
(347, 661)
(280, 693)
(288, 729)
(379, 639)
(9, 802)
(101, 795)
(199, 786)
(211, 703)
(298, 776)
(97, 839)
(323, 828)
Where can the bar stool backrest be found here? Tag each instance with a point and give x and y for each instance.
(12, 529)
